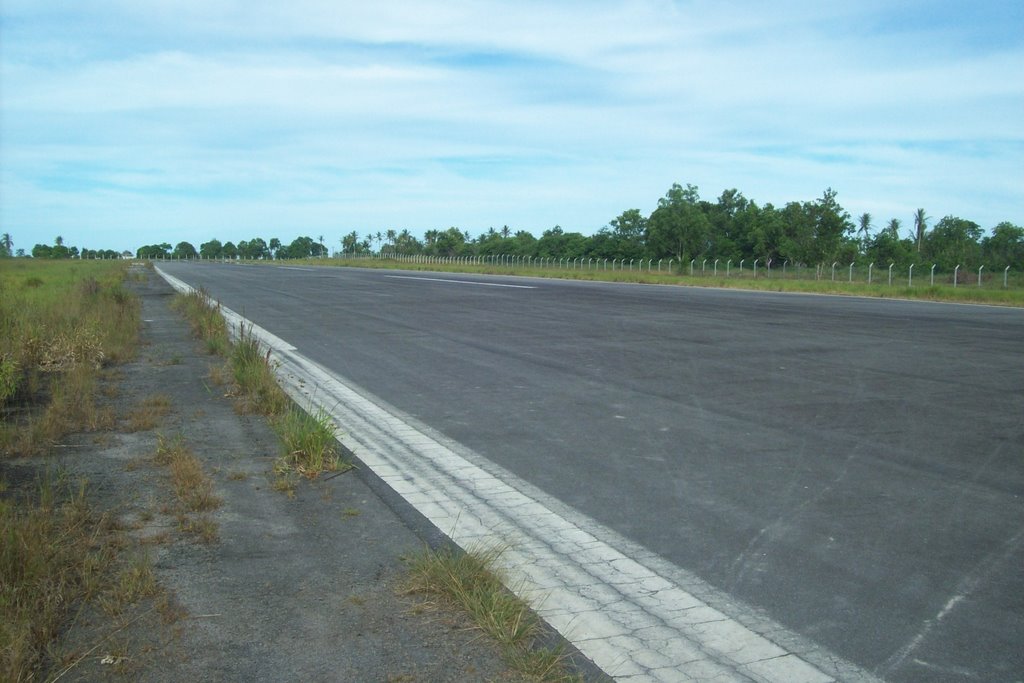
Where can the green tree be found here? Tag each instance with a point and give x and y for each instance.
(450, 242)
(303, 247)
(954, 241)
(154, 251)
(257, 249)
(405, 243)
(184, 250)
(350, 243)
(6, 245)
(864, 229)
(556, 243)
(211, 249)
(41, 251)
(760, 232)
(678, 227)
(274, 247)
(628, 234)
(893, 228)
(886, 247)
(920, 226)
(229, 250)
(731, 220)
(1005, 247)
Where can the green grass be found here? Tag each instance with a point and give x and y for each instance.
(308, 441)
(62, 322)
(206, 320)
(254, 375)
(307, 438)
(804, 280)
(471, 582)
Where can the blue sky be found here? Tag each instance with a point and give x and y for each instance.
(129, 122)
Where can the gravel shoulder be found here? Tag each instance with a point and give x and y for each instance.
(302, 587)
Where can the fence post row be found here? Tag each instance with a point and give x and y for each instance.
(593, 263)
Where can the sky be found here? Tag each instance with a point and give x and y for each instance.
(132, 122)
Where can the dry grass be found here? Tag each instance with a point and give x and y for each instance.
(206, 320)
(57, 555)
(308, 438)
(470, 582)
(192, 487)
(149, 413)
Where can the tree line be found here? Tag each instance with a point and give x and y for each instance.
(254, 249)
(683, 227)
(58, 250)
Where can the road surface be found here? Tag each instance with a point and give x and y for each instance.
(853, 468)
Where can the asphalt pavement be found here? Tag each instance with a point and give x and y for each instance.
(851, 468)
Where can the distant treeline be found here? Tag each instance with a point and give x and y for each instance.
(58, 250)
(685, 227)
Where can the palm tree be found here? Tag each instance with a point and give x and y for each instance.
(59, 241)
(920, 225)
(322, 248)
(894, 228)
(6, 243)
(865, 228)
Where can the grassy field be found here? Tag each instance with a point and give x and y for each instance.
(967, 290)
(63, 324)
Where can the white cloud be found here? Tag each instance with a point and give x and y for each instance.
(326, 115)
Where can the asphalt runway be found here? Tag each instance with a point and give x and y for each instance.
(852, 467)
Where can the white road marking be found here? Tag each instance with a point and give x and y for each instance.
(635, 616)
(459, 282)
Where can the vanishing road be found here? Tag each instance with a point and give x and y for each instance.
(851, 468)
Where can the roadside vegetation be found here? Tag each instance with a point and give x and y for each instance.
(64, 324)
(308, 444)
(192, 488)
(471, 582)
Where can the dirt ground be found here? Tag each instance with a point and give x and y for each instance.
(267, 586)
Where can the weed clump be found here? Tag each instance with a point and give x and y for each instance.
(54, 554)
(206, 320)
(254, 376)
(307, 438)
(308, 441)
(471, 582)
